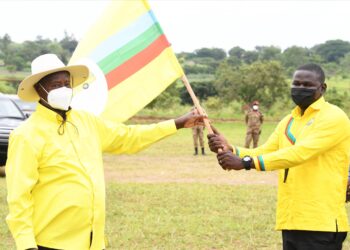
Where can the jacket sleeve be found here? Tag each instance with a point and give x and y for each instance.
(326, 134)
(21, 176)
(119, 138)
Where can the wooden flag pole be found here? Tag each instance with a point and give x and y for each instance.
(196, 103)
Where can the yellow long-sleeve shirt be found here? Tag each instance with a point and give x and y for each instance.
(315, 149)
(55, 178)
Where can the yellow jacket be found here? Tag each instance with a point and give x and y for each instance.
(56, 188)
(312, 153)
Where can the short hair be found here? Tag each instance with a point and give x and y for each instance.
(313, 67)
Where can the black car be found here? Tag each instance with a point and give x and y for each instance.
(27, 107)
(10, 117)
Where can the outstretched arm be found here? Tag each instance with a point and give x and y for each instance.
(120, 138)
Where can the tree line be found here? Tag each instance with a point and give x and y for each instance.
(260, 74)
(18, 56)
(235, 75)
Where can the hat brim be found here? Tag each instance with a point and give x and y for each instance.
(27, 92)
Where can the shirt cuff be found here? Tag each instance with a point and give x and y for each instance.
(259, 163)
(235, 150)
(168, 127)
(25, 242)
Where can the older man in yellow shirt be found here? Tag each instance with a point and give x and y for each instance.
(55, 178)
(310, 148)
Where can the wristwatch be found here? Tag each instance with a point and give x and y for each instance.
(247, 162)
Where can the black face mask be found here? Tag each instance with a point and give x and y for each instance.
(303, 97)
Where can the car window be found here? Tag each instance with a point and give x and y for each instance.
(9, 109)
(26, 105)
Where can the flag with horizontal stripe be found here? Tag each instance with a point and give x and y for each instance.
(130, 58)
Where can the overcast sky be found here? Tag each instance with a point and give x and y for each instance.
(192, 24)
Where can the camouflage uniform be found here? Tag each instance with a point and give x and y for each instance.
(197, 132)
(253, 119)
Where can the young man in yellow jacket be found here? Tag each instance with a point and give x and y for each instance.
(310, 148)
(55, 177)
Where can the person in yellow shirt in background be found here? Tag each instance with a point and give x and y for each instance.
(310, 148)
(55, 177)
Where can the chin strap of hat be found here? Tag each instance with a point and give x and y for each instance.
(61, 128)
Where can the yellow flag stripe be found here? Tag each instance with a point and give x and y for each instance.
(118, 15)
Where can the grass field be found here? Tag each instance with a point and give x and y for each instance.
(166, 198)
(339, 83)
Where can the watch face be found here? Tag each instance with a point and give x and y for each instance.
(247, 161)
(246, 158)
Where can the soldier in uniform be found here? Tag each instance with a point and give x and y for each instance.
(197, 132)
(253, 119)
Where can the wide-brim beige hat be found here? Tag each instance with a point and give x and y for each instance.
(45, 65)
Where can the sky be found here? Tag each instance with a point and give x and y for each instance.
(192, 24)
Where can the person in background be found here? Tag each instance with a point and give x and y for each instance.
(254, 119)
(197, 132)
(55, 176)
(310, 148)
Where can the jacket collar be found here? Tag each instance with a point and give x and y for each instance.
(317, 105)
(50, 114)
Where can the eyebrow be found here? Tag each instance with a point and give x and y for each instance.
(309, 83)
(56, 80)
(300, 81)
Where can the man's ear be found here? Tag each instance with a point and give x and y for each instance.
(36, 86)
(39, 90)
(324, 88)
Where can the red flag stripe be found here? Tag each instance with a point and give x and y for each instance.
(137, 62)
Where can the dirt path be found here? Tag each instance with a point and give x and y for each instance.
(186, 169)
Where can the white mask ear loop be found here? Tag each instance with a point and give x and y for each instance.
(43, 88)
(71, 85)
(45, 91)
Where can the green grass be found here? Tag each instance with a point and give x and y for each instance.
(191, 216)
(183, 216)
(165, 198)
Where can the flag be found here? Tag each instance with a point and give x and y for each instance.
(134, 58)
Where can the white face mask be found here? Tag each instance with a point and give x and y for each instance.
(255, 107)
(59, 98)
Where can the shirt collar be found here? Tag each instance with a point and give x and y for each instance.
(296, 112)
(50, 114)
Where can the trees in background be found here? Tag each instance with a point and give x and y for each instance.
(333, 50)
(203, 89)
(18, 56)
(332, 54)
(202, 61)
(294, 56)
(263, 81)
(345, 64)
(239, 75)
